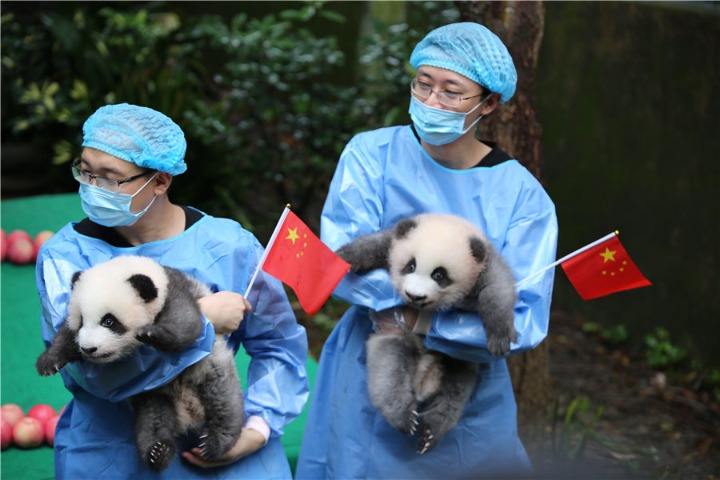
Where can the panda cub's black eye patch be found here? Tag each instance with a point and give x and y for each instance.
(111, 322)
(440, 276)
(409, 267)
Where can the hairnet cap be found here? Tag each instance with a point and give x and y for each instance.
(471, 50)
(139, 135)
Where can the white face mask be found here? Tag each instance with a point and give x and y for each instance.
(437, 126)
(111, 209)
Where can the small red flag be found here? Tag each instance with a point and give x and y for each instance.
(298, 258)
(603, 269)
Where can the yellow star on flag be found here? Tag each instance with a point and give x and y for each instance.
(608, 255)
(292, 235)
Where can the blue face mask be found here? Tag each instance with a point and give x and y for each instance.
(110, 209)
(437, 126)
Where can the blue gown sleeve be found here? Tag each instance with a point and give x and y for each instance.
(278, 385)
(353, 207)
(529, 246)
(146, 369)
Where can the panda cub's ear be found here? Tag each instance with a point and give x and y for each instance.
(403, 227)
(75, 278)
(144, 286)
(478, 249)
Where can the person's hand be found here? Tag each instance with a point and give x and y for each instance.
(225, 310)
(249, 442)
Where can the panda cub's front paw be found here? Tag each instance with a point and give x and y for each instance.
(499, 343)
(47, 365)
(148, 335)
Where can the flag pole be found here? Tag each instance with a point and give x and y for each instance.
(569, 256)
(267, 248)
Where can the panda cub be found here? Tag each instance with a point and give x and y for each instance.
(117, 306)
(436, 262)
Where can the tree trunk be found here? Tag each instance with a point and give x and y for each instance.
(514, 126)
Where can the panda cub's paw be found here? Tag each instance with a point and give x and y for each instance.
(47, 364)
(498, 342)
(213, 446)
(159, 456)
(427, 440)
(144, 334)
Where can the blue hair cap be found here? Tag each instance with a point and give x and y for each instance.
(139, 135)
(471, 50)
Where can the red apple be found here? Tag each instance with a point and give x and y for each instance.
(41, 238)
(50, 430)
(7, 433)
(17, 235)
(11, 413)
(21, 251)
(28, 433)
(3, 245)
(42, 412)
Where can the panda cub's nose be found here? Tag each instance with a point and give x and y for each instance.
(415, 298)
(88, 350)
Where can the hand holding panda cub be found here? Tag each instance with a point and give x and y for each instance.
(118, 305)
(436, 262)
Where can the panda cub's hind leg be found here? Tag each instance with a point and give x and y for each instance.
(222, 400)
(391, 365)
(444, 386)
(156, 426)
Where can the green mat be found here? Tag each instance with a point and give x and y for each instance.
(22, 343)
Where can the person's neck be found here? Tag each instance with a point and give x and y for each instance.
(162, 221)
(465, 152)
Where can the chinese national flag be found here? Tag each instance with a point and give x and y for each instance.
(302, 261)
(603, 269)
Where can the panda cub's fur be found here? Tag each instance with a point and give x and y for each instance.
(436, 262)
(117, 306)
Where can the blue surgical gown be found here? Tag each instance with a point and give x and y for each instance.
(94, 437)
(384, 176)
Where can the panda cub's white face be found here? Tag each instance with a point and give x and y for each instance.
(106, 310)
(433, 266)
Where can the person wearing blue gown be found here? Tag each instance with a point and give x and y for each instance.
(129, 158)
(463, 71)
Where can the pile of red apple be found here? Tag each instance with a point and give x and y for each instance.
(19, 247)
(31, 430)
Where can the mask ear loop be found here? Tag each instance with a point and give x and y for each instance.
(142, 212)
(145, 185)
(472, 110)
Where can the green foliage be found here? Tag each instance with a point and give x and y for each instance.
(570, 437)
(660, 352)
(274, 120)
(259, 99)
(616, 334)
(58, 67)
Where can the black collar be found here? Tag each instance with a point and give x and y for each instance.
(111, 236)
(495, 157)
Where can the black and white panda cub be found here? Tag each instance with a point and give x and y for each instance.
(436, 262)
(118, 305)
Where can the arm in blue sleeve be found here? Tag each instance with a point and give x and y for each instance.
(530, 245)
(146, 369)
(278, 385)
(353, 207)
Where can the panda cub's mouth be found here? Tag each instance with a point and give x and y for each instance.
(100, 357)
(419, 304)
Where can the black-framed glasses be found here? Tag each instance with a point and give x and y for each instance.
(112, 185)
(449, 99)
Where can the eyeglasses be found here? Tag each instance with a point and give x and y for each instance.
(109, 184)
(449, 99)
